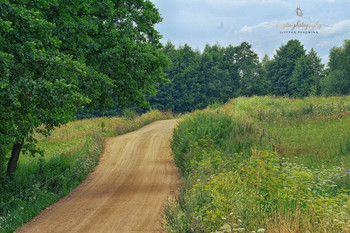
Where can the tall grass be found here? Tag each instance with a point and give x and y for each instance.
(71, 153)
(264, 164)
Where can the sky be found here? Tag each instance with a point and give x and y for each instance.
(265, 24)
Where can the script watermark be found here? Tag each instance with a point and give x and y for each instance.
(303, 26)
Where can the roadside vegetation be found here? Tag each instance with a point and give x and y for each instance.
(264, 164)
(71, 153)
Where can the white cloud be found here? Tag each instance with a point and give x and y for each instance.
(246, 28)
(342, 27)
(267, 25)
(198, 22)
(232, 2)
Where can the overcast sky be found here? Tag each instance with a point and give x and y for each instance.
(198, 22)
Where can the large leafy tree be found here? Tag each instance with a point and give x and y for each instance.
(39, 85)
(337, 82)
(116, 38)
(59, 56)
(248, 72)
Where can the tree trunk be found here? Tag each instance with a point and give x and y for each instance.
(12, 165)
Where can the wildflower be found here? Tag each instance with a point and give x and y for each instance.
(261, 230)
(192, 229)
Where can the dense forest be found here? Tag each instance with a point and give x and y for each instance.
(221, 73)
(195, 79)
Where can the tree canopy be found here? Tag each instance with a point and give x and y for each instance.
(337, 82)
(60, 56)
(216, 75)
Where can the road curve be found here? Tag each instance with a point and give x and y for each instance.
(125, 193)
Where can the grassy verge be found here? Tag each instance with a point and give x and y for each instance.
(264, 164)
(71, 153)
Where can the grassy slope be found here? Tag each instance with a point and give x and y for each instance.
(71, 152)
(312, 131)
(233, 181)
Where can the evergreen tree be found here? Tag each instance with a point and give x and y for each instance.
(305, 80)
(283, 65)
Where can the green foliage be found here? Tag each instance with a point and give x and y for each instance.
(337, 82)
(244, 187)
(115, 38)
(283, 65)
(39, 85)
(130, 114)
(57, 57)
(305, 80)
(215, 130)
(196, 80)
(216, 75)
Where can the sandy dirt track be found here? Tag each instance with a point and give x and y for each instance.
(125, 193)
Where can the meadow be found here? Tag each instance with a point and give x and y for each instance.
(70, 153)
(264, 164)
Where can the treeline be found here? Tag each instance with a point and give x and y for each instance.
(221, 73)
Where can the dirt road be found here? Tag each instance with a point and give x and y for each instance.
(125, 193)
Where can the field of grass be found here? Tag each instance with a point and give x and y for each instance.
(264, 164)
(71, 153)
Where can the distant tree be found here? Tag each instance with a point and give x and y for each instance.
(213, 79)
(265, 60)
(249, 71)
(337, 82)
(180, 92)
(266, 64)
(283, 65)
(305, 80)
(217, 75)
